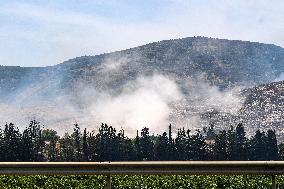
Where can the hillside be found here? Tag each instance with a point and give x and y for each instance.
(263, 107)
(223, 62)
(192, 79)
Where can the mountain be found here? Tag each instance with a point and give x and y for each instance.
(264, 106)
(193, 79)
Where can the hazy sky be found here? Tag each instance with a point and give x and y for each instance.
(41, 33)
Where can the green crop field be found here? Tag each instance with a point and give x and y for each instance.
(140, 182)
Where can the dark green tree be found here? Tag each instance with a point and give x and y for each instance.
(77, 147)
(92, 147)
(258, 147)
(197, 146)
(180, 145)
(137, 148)
(240, 144)
(271, 145)
(106, 148)
(220, 146)
(33, 143)
(85, 146)
(51, 138)
(67, 148)
(11, 146)
(124, 147)
(162, 148)
(172, 151)
(147, 146)
(281, 151)
(231, 143)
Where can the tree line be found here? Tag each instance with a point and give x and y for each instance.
(109, 144)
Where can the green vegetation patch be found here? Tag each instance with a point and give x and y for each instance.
(140, 182)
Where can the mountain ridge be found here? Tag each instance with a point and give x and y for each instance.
(201, 70)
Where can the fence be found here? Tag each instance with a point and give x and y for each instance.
(271, 168)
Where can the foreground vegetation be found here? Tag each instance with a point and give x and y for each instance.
(138, 182)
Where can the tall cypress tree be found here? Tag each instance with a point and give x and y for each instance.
(137, 148)
(258, 147)
(197, 146)
(92, 145)
(180, 144)
(240, 144)
(271, 145)
(76, 136)
(220, 146)
(281, 151)
(85, 146)
(162, 148)
(147, 145)
(231, 142)
(67, 148)
(172, 151)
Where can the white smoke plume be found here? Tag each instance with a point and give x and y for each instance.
(114, 64)
(149, 101)
(154, 100)
(209, 97)
(144, 102)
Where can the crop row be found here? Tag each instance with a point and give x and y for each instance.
(140, 182)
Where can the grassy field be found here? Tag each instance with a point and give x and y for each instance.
(137, 182)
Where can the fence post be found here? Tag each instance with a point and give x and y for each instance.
(273, 182)
(245, 180)
(108, 182)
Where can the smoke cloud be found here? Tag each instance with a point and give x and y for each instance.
(144, 102)
(154, 100)
(209, 97)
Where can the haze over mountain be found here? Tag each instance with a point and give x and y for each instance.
(188, 82)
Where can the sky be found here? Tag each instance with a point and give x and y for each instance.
(43, 33)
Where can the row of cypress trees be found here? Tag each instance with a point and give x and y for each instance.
(108, 144)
